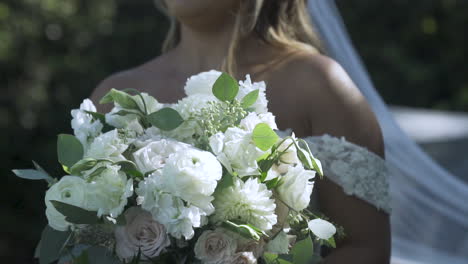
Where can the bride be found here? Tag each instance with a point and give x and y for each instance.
(308, 92)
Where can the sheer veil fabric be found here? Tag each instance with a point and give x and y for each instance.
(429, 205)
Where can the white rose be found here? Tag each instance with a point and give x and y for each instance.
(109, 191)
(236, 151)
(245, 87)
(215, 247)
(192, 175)
(243, 258)
(153, 156)
(201, 83)
(141, 232)
(71, 190)
(321, 228)
(109, 145)
(252, 119)
(296, 187)
(85, 127)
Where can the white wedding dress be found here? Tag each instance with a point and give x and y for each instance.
(429, 217)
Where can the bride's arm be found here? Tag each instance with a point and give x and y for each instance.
(336, 107)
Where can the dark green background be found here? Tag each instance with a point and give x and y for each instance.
(54, 52)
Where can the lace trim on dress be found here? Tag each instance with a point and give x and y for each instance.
(357, 170)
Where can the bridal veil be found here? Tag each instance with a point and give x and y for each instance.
(429, 205)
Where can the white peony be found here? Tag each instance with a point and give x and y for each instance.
(169, 210)
(243, 258)
(109, 145)
(296, 187)
(192, 175)
(236, 151)
(71, 190)
(252, 119)
(201, 83)
(245, 87)
(85, 127)
(141, 232)
(109, 191)
(321, 228)
(248, 201)
(215, 247)
(153, 156)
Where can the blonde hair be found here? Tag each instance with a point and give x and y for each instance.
(284, 23)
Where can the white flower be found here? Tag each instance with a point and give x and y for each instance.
(141, 232)
(192, 175)
(296, 187)
(243, 258)
(252, 119)
(321, 228)
(245, 87)
(215, 247)
(149, 135)
(236, 151)
(109, 191)
(153, 156)
(109, 145)
(249, 202)
(168, 209)
(71, 190)
(201, 83)
(85, 127)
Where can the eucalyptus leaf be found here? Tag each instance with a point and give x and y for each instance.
(83, 165)
(280, 244)
(227, 180)
(264, 137)
(31, 174)
(126, 165)
(166, 119)
(69, 150)
(107, 98)
(124, 99)
(51, 245)
(75, 214)
(245, 230)
(225, 88)
(250, 99)
(303, 251)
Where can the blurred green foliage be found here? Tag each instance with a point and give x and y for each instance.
(54, 52)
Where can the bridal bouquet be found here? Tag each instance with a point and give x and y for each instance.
(205, 180)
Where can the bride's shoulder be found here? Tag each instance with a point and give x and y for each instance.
(333, 103)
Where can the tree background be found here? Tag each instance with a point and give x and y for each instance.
(54, 52)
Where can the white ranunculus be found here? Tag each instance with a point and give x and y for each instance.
(236, 151)
(85, 127)
(296, 187)
(252, 119)
(243, 258)
(153, 156)
(192, 175)
(109, 191)
(168, 209)
(215, 247)
(248, 201)
(321, 228)
(71, 190)
(201, 83)
(109, 145)
(141, 232)
(245, 87)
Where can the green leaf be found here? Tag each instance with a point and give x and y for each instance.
(280, 244)
(264, 137)
(166, 119)
(331, 242)
(75, 214)
(225, 88)
(270, 258)
(31, 174)
(69, 150)
(107, 98)
(83, 165)
(52, 244)
(124, 99)
(271, 184)
(303, 251)
(126, 165)
(226, 181)
(245, 230)
(250, 99)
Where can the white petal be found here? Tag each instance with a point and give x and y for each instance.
(321, 228)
